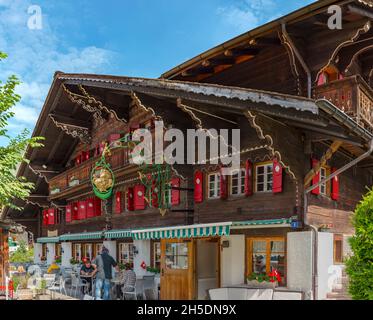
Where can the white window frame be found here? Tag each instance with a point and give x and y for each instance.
(323, 175)
(76, 246)
(265, 174)
(216, 190)
(126, 247)
(88, 246)
(241, 176)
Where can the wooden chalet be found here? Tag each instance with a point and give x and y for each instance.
(300, 93)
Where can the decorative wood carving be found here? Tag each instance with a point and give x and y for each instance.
(75, 131)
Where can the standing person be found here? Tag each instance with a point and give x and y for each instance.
(104, 262)
(87, 273)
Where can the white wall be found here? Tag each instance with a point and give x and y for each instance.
(325, 269)
(144, 248)
(51, 252)
(299, 261)
(233, 261)
(38, 251)
(67, 254)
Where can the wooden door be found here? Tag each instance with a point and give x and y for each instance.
(177, 270)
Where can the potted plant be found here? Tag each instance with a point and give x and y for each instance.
(263, 280)
(325, 228)
(153, 270)
(58, 259)
(126, 266)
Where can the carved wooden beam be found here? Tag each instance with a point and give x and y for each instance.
(73, 130)
(327, 156)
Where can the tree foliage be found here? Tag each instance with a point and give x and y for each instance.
(22, 254)
(360, 264)
(13, 153)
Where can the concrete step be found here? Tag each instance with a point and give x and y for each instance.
(338, 296)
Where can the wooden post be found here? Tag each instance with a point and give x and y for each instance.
(327, 156)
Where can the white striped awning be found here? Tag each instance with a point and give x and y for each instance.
(266, 223)
(82, 236)
(48, 240)
(180, 232)
(118, 234)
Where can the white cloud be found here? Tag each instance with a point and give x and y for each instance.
(248, 14)
(34, 56)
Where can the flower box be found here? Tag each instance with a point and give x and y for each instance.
(25, 294)
(74, 183)
(262, 285)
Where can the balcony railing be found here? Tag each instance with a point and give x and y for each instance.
(353, 96)
(81, 174)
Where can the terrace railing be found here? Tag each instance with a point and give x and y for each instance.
(353, 96)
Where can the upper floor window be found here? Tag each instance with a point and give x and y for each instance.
(263, 177)
(238, 182)
(213, 185)
(323, 174)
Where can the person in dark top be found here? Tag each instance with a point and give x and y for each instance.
(104, 263)
(87, 273)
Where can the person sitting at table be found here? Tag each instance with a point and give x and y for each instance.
(87, 272)
(129, 280)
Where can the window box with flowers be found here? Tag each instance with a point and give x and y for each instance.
(263, 280)
(58, 259)
(325, 227)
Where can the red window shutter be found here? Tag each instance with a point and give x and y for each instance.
(248, 178)
(75, 211)
(45, 217)
(198, 187)
(130, 200)
(118, 202)
(85, 156)
(154, 195)
(139, 197)
(51, 216)
(83, 210)
(335, 186)
(68, 214)
(97, 206)
(78, 160)
(316, 178)
(277, 177)
(90, 208)
(223, 186)
(175, 194)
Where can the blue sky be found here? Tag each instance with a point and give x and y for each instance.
(121, 37)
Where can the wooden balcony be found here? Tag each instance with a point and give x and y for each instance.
(353, 96)
(81, 174)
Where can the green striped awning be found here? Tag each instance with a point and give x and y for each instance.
(201, 230)
(118, 234)
(82, 236)
(262, 222)
(48, 240)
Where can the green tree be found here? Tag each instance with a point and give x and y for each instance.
(22, 254)
(360, 264)
(13, 153)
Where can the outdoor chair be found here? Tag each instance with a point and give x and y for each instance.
(50, 279)
(149, 290)
(59, 286)
(78, 283)
(129, 292)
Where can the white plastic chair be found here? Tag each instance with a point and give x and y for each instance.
(78, 283)
(129, 292)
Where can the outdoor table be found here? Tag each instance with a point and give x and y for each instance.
(117, 282)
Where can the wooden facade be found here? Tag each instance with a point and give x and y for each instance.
(256, 83)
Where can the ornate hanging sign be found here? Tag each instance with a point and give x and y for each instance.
(102, 177)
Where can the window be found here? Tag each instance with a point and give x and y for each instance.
(44, 251)
(323, 174)
(177, 256)
(77, 251)
(338, 249)
(265, 255)
(213, 185)
(238, 182)
(125, 253)
(156, 255)
(263, 177)
(87, 251)
(98, 248)
(58, 250)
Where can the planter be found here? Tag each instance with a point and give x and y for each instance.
(25, 294)
(261, 285)
(324, 230)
